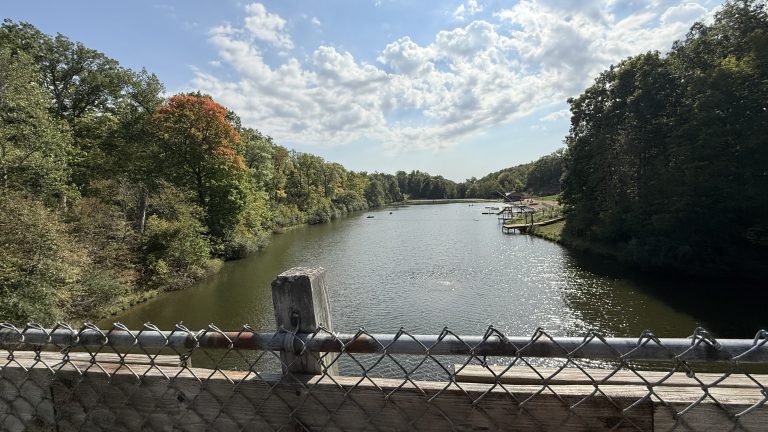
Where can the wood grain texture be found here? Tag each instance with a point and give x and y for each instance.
(727, 397)
(301, 304)
(166, 396)
(526, 375)
(318, 402)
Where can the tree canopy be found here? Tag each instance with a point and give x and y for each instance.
(125, 191)
(667, 155)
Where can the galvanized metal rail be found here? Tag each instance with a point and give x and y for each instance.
(139, 379)
(699, 347)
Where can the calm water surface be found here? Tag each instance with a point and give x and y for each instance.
(425, 267)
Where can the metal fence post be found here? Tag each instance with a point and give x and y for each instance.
(301, 305)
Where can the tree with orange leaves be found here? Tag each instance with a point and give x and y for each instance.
(200, 151)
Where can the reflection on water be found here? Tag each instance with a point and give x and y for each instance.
(430, 266)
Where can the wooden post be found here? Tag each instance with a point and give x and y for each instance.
(301, 300)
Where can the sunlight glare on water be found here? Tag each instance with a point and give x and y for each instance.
(425, 267)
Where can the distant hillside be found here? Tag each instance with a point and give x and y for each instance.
(541, 177)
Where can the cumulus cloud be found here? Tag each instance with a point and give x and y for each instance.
(467, 41)
(406, 57)
(467, 9)
(265, 26)
(583, 41)
(684, 13)
(464, 81)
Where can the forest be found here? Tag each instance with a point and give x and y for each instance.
(111, 192)
(541, 177)
(667, 156)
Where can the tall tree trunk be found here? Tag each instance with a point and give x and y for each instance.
(141, 208)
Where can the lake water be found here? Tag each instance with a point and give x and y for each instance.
(425, 267)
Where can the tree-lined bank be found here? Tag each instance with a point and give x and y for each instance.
(110, 192)
(667, 155)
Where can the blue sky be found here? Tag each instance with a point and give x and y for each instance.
(458, 88)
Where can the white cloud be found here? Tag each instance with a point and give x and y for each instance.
(468, 41)
(684, 13)
(580, 39)
(315, 21)
(467, 9)
(406, 57)
(556, 115)
(266, 26)
(466, 80)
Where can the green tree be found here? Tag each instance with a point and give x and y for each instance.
(40, 263)
(174, 249)
(132, 154)
(34, 148)
(374, 193)
(258, 153)
(666, 155)
(199, 149)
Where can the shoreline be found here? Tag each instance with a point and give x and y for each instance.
(137, 297)
(445, 201)
(553, 233)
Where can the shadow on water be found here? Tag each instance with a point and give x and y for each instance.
(729, 308)
(425, 267)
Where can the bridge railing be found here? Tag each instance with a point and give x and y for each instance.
(306, 376)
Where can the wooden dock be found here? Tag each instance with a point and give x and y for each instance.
(509, 228)
(512, 211)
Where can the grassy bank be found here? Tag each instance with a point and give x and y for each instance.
(554, 232)
(129, 300)
(551, 232)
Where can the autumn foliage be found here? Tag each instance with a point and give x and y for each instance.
(231, 156)
(201, 151)
(194, 124)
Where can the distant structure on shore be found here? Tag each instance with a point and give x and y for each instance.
(514, 196)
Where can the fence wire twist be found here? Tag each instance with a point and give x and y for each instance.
(89, 378)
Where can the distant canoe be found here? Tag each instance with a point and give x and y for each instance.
(370, 216)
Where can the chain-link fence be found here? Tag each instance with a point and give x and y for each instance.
(305, 376)
(149, 379)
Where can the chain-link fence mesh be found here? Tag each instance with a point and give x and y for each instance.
(63, 378)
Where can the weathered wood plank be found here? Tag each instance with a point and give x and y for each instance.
(573, 376)
(301, 304)
(319, 402)
(238, 400)
(708, 417)
(733, 395)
